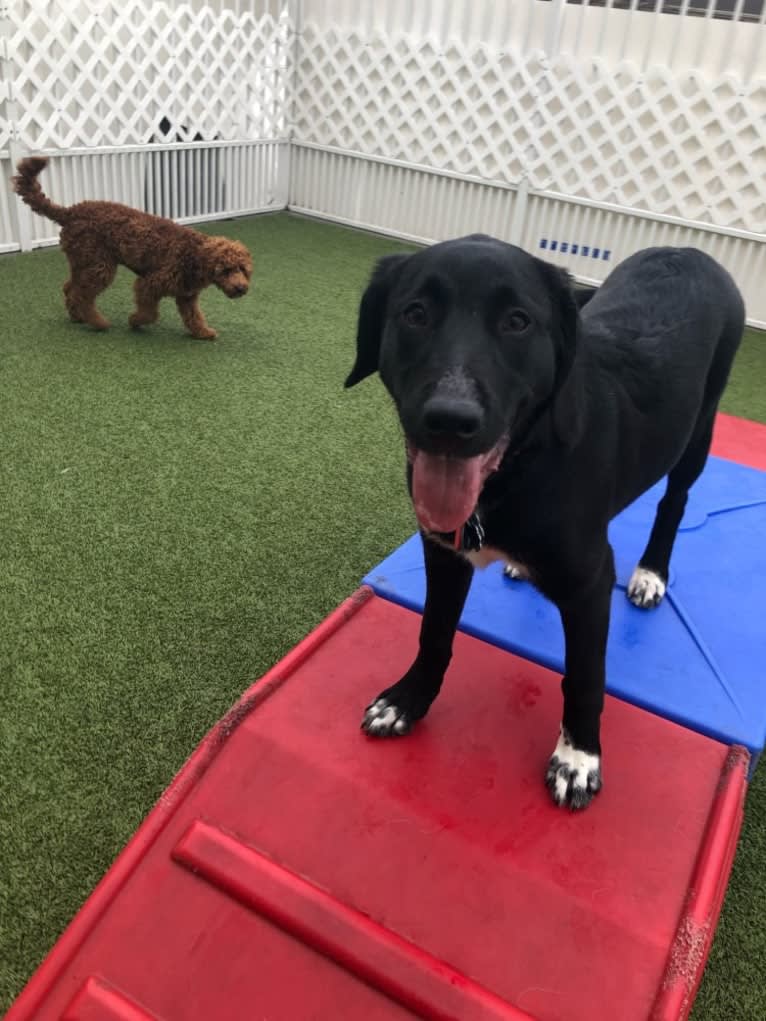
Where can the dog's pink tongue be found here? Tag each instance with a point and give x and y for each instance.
(445, 490)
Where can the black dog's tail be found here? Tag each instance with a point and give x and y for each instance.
(28, 187)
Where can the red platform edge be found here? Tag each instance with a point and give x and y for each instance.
(740, 440)
(744, 441)
(707, 888)
(36, 989)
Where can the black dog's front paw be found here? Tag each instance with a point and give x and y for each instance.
(396, 709)
(573, 776)
(646, 588)
(385, 719)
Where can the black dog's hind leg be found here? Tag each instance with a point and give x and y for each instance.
(448, 579)
(650, 579)
(574, 771)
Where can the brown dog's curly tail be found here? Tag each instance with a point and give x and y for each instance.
(28, 187)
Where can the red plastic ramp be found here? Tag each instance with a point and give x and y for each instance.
(298, 870)
(741, 440)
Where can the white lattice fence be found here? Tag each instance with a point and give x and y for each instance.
(418, 204)
(9, 241)
(131, 72)
(578, 127)
(176, 108)
(189, 183)
(589, 241)
(427, 206)
(665, 141)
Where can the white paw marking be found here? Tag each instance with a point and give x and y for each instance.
(382, 719)
(646, 588)
(573, 776)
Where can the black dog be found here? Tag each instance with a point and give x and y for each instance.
(532, 415)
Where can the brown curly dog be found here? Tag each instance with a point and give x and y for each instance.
(168, 259)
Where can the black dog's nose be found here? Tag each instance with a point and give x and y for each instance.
(445, 416)
(239, 291)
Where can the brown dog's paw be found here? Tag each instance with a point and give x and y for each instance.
(207, 334)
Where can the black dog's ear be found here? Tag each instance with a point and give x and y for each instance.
(372, 312)
(567, 399)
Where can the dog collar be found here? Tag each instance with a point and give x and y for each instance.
(468, 538)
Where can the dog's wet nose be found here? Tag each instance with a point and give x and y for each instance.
(445, 417)
(239, 291)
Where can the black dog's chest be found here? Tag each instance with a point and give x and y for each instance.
(482, 548)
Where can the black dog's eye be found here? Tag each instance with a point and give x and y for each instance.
(515, 320)
(416, 316)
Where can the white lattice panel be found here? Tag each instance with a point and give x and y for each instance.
(670, 142)
(110, 72)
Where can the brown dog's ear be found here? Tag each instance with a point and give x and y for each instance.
(213, 254)
(372, 313)
(565, 328)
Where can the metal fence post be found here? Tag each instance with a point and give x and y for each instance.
(21, 217)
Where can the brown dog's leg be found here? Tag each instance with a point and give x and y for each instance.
(147, 303)
(81, 291)
(193, 318)
(70, 304)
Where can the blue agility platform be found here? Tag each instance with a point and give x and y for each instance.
(698, 659)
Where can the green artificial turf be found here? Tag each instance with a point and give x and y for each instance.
(175, 515)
